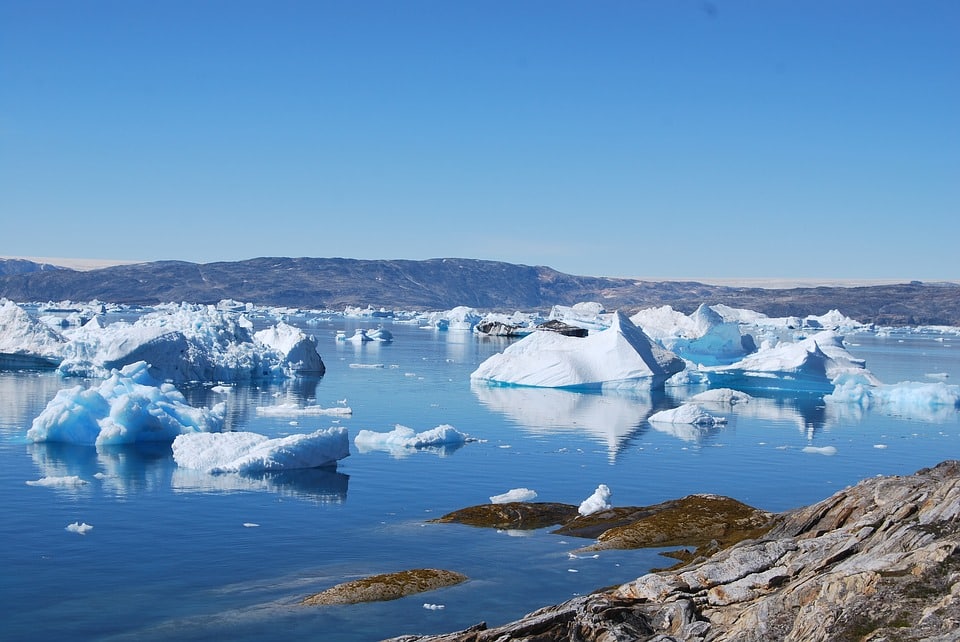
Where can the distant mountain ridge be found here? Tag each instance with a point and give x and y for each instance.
(438, 284)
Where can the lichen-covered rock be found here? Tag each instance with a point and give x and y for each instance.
(388, 586)
(512, 515)
(877, 561)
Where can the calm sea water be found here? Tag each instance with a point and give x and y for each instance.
(185, 556)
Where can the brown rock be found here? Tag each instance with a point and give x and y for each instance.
(514, 515)
(388, 586)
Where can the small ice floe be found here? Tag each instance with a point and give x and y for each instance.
(937, 375)
(727, 396)
(688, 413)
(821, 450)
(434, 607)
(223, 390)
(250, 525)
(572, 570)
(293, 410)
(514, 495)
(66, 481)
(247, 452)
(80, 528)
(403, 439)
(366, 365)
(598, 501)
(880, 446)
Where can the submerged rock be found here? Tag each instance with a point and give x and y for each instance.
(876, 561)
(387, 586)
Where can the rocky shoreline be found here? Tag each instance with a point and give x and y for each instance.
(876, 561)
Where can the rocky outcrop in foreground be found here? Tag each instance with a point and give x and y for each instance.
(877, 561)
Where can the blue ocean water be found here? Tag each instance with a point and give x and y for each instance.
(179, 555)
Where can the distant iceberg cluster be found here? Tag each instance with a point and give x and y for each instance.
(180, 343)
(721, 352)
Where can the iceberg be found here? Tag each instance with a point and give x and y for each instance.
(620, 356)
(598, 501)
(721, 396)
(911, 399)
(26, 343)
(688, 413)
(247, 452)
(188, 343)
(704, 337)
(811, 364)
(514, 495)
(402, 440)
(130, 406)
(298, 351)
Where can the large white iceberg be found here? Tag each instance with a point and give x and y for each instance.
(129, 406)
(247, 452)
(620, 356)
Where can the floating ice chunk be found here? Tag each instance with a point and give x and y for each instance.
(250, 525)
(79, 528)
(821, 450)
(598, 501)
(688, 413)
(621, 355)
(247, 452)
(66, 481)
(293, 410)
(403, 439)
(721, 396)
(433, 607)
(937, 375)
(514, 495)
(129, 406)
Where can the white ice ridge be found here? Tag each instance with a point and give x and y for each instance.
(514, 495)
(402, 439)
(598, 501)
(620, 356)
(129, 406)
(247, 452)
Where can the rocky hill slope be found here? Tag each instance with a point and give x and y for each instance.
(332, 283)
(877, 561)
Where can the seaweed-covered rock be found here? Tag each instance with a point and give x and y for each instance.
(387, 586)
(512, 515)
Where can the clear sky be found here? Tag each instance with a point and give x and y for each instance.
(671, 138)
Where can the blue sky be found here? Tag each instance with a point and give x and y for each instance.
(806, 139)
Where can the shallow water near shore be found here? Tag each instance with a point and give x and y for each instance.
(175, 554)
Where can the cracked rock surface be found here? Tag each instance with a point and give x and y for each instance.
(876, 561)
